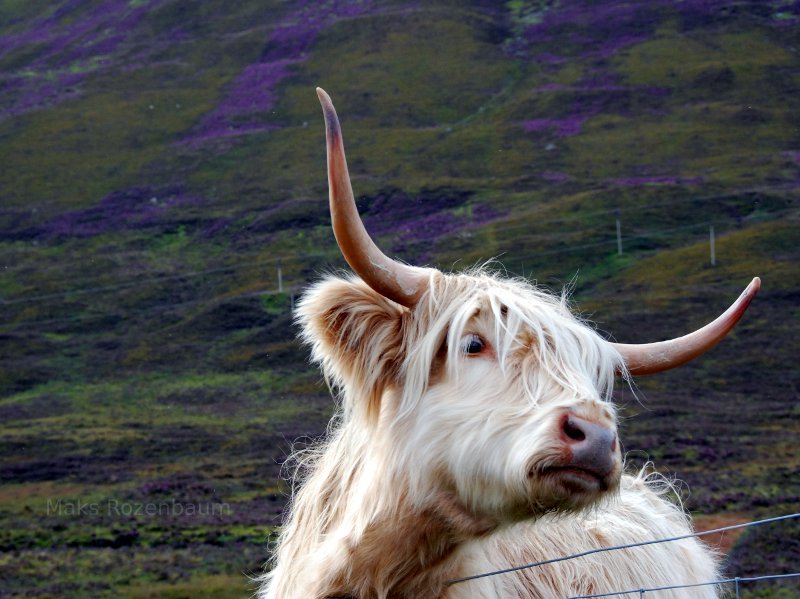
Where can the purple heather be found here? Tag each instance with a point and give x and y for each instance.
(562, 127)
(130, 208)
(555, 177)
(254, 92)
(657, 180)
(69, 47)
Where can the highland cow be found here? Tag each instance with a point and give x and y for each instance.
(475, 432)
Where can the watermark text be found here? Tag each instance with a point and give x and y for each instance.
(118, 508)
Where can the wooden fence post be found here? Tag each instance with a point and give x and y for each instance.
(712, 243)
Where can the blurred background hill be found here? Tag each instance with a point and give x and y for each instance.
(163, 201)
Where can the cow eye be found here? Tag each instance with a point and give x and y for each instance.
(472, 345)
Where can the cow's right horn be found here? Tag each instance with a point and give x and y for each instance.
(399, 282)
(649, 358)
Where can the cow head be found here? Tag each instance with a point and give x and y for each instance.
(480, 388)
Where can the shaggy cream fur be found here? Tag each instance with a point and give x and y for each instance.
(438, 462)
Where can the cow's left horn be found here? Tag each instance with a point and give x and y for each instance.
(649, 358)
(399, 282)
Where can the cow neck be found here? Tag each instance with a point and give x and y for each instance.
(409, 551)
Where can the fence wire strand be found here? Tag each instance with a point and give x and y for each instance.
(674, 587)
(628, 546)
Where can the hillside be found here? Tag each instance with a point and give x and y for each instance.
(163, 201)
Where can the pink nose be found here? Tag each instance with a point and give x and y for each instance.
(593, 446)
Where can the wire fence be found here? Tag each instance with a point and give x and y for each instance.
(736, 581)
(97, 304)
(580, 216)
(275, 264)
(93, 304)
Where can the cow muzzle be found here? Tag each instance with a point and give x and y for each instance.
(591, 461)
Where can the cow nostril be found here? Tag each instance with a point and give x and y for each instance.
(591, 446)
(573, 431)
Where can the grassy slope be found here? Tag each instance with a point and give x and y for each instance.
(142, 361)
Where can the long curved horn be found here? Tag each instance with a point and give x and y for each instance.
(649, 358)
(399, 282)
